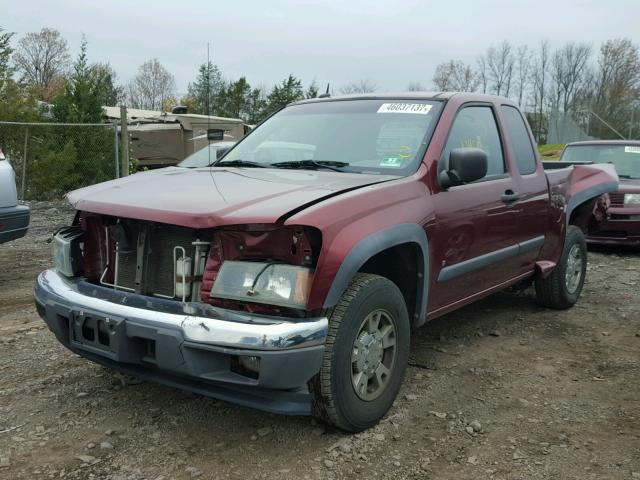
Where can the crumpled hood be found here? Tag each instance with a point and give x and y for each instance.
(208, 197)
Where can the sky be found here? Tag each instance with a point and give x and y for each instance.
(390, 43)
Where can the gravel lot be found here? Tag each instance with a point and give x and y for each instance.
(501, 389)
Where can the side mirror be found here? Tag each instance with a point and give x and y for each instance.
(215, 134)
(466, 165)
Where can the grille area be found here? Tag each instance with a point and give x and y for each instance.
(617, 199)
(157, 265)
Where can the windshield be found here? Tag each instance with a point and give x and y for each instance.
(373, 136)
(626, 158)
(202, 158)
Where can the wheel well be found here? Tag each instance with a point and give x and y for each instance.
(583, 217)
(402, 264)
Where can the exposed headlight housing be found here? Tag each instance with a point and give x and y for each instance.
(632, 198)
(263, 282)
(67, 251)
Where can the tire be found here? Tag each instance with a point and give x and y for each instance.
(561, 289)
(351, 353)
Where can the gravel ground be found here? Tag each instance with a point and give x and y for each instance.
(502, 389)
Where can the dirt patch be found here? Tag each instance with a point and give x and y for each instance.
(501, 389)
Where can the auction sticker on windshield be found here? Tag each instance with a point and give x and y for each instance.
(628, 149)
(419, 108)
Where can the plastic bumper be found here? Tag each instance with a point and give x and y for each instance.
(622, 227)
(196, 351)
(14, 222)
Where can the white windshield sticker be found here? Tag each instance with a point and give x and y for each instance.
(631, 149)
(415, 108)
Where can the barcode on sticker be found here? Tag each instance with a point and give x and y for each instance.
(416, 108)
(629, 149)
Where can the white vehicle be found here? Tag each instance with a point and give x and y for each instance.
(14, 218)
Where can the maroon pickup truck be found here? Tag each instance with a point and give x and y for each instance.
(288, 275)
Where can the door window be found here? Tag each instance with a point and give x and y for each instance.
(519, 140)
(476, 127)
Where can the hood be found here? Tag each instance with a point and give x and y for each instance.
(209, 197)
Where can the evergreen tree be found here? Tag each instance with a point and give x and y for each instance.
(209, 81)
(290, 90)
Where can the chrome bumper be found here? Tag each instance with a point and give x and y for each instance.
(246, 331)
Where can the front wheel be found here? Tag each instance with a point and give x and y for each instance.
(365, 355)
(563, 286)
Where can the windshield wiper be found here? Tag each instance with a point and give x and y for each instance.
(622, 175)
(238, 163)
(312, 164)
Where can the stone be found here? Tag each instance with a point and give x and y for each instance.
(439, 414)
(473, 460)
(106, 446)
(477, 427)
(193, 472)
(469, 430)
(86, 458)
(411, 397)
(264, 431)
(82, 394)
(328, 463)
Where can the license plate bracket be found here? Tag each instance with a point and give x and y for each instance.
(95, 332)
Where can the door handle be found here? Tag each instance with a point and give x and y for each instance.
(509, 196)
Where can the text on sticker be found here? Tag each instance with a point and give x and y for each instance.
(415, 108)
(631, 149)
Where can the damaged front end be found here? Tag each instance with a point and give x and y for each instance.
(209, 310)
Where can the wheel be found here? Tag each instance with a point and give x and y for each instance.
(562, 288)
(365, 355)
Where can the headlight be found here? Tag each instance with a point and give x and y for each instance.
(261, 282)
(66, 251)
(632, 198)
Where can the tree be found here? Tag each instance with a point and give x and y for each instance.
(290, 90)
(152, 87)
(6, 70)
(361, 86)
(205, 92)
(235, 98)
(523, 68)
(455, 76)
(569, 65)
(617, 86)
(42, 58)
(540, 89)
(499, 63)
(312, 91)
(416, 87)
(82, 99)
(105, 78)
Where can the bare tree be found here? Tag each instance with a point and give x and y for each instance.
(523, 69)
(569, 66)
(482, 73)
(617, 86)
(362, 86)
(42, 58)
(152, 87)
(416, 87)
(500, 63)
(540, 88)
(455, 76)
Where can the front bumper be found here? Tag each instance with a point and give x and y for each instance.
(189, 346)
(14, 222)
(621, 227)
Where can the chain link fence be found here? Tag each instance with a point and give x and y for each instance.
(50, 159)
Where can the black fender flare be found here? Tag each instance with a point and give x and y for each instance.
(376, 243)
(588, 194)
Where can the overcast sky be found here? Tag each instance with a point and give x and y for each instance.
(390, 43)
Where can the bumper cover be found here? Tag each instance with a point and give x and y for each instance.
(621, 227)
(194, 349)
(14, 222)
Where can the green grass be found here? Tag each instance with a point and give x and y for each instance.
(550, 152)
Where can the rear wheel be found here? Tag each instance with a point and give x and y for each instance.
(562, 288)
(365, 355)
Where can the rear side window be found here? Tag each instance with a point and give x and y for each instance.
(476, 127)
(519, 138)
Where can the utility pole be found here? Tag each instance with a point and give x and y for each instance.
(124, 141)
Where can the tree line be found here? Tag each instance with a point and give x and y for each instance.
(573, 79)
